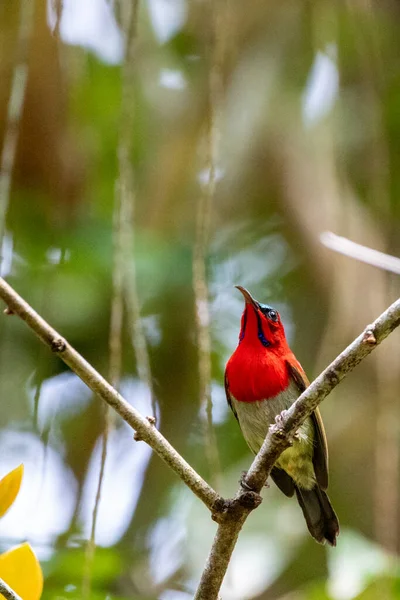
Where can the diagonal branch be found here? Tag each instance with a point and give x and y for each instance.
(230, 514)
(370, 256)
(278, 438)
(143, 426)
(7, 592)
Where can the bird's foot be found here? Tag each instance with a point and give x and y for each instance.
(245, 486)
(243, 483)
(248, 498)
(279, 419)
(278, 428)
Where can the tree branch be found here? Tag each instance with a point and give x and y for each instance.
(370, 256)
(230, 514)
(7, 592)
(278, 438)
(144, 427)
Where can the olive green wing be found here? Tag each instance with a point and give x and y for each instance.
(320, 456)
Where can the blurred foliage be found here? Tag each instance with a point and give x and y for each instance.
(309, 129)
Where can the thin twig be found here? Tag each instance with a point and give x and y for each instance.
(91, 544)
(135, 325)
(14, 111)
(58, 7)
(127, 194)
(278, 438)
(115, 354)
(143, 426)
(7, 592)
(360, 252)
(203, 219)
(117, 304)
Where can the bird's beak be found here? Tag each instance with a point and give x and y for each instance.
(247, 296)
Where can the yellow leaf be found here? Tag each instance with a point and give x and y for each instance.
(9, 488)
(20, 568)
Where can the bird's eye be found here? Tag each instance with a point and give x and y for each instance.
(272, 315)
(269, 312)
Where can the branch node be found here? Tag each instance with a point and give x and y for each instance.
(369, 337)
(58, 345)
(230, 510)
(8, 311)
(220, 509)
(137, 437)
(277, 431)
(243, 483)
(250, 500)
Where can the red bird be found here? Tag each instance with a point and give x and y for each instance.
(262, 378)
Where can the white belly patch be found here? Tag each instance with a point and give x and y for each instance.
(255, 419)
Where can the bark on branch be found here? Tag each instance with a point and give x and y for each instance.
(145, 429)
(278, 438)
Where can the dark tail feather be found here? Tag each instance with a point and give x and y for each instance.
(320, 517)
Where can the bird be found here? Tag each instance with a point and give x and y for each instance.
(262, 379)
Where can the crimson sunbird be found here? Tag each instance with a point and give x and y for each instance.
(263, 378)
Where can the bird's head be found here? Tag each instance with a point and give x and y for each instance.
(261, 325)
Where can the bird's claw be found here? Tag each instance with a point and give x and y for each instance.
(245, 486)
(243, 483)
(278, 428)
(279, 419)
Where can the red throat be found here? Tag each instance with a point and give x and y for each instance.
(255, 371)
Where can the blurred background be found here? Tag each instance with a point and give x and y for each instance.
(152, 156)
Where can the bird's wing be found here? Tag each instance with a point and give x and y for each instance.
(284, 482)
(228, 397)
(320, 456)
